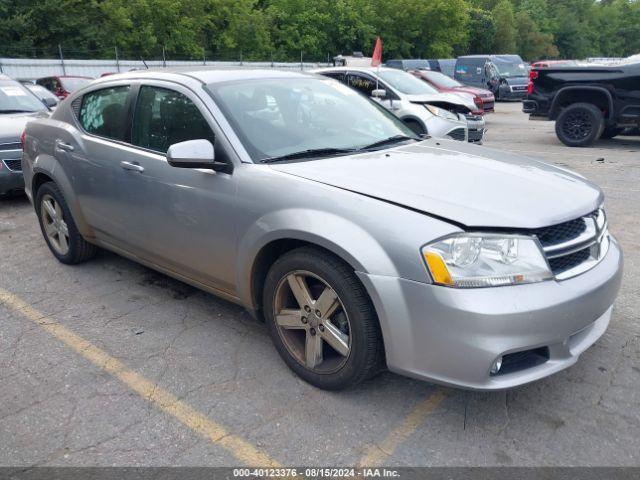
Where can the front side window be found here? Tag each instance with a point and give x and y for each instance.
(103, 112)
(164, 117)
(363, 84)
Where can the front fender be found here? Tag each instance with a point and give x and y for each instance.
(332, 232)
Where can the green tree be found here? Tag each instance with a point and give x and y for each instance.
(482, 31)
(505, 36)
(532, 44)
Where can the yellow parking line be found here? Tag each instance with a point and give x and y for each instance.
(378, 453)
(145, 388)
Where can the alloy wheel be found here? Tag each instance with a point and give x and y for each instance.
(312, 322)
(577, 125)
(55, 228)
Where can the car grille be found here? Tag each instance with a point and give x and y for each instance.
(575, 246)
(562, 264)
(10, 146)
(561, 233)
(13, 165)
(488, 106)
(457, 134)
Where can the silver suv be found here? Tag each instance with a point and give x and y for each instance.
(360, 244)
(419, 105)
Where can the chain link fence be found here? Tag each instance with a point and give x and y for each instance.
(32, 63)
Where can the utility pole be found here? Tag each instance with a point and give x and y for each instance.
(301, 67)
(164, 58)
(64, 70)
(117, 60)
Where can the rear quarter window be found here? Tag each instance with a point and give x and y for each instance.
(103, 112)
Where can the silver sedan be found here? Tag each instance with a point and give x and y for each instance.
(360, 244)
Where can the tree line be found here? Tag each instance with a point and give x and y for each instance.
(282, 30)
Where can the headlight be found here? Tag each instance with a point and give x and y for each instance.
(471, 260)
(441, 112)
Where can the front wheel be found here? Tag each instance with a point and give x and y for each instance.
(321, 320)
(579, 125)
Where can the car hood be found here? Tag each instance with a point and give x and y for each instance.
(12, 125)
(475, 91)
(447, 97)
(466, 184)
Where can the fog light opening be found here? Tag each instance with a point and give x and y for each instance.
(495, 368)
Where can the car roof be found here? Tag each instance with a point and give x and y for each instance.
(355, 69)
(204, 74)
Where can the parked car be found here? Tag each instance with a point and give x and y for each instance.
(62, 86)
(586, 102)
(443, 65)
(360, 244)
(408, 64)
(421, 107)
(505, 75)
(483, 99)
(45, 96)
(17, 106)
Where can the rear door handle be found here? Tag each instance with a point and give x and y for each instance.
(135, 167)
(64, 146)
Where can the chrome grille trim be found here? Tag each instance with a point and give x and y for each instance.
(10, 146)
(593, 240)
(11, 164)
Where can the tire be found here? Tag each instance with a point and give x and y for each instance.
(415, 127)
(610, 132)
(353, 317)
(579, 125)
(77, 249)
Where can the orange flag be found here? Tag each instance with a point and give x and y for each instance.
(377, 53)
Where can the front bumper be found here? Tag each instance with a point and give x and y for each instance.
(10, 180)
(507, 92)
(453, 336)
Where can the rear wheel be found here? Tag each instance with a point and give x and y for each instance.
(58, 228)
(321, 320)
(579, 125)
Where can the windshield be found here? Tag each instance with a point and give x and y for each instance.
(441, 80)
(15, 98)
(275, 117)
(71, 84)
(41, 92)
(511, 69)
(406, 83)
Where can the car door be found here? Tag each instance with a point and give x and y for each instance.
(179, 218)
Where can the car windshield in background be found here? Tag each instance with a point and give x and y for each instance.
(15, 98)
(72, 84)
(406, 83)
(508, 69)
(41, 92)
(304, 117)
(442, 80)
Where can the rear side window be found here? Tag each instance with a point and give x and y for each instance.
(103, 112)
(363, 84)
(164, 117)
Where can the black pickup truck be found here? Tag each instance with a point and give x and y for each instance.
(587, 102)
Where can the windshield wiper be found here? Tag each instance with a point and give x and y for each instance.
(313, 152)
(16, 110)
(389, 141)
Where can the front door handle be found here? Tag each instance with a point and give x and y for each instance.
(135, 167)
(60, 145)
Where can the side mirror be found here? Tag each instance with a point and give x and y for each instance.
(49, 102)
(379, 93)
(193, 154)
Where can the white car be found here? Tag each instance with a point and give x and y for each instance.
(419, 105)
